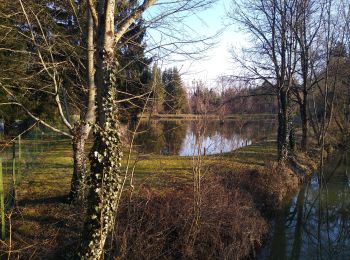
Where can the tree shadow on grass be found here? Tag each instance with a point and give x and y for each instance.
(44, 201)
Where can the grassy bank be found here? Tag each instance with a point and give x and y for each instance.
(157, 216)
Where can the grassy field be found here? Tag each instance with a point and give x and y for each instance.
(48, 170)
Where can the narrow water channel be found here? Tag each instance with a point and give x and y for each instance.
(316, 223)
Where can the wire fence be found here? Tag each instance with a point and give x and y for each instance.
(19, 156)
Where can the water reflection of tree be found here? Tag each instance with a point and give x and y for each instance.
(317, 223)
(174, 133)
(167, 137)
(249, 130)
(150, 137)
(161, 137)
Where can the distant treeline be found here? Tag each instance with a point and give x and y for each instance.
(233, 100)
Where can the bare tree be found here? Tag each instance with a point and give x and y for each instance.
(272, 56)
(52, 51)
(52, 54)
(106, 154)
(309, 15)
(331, 74)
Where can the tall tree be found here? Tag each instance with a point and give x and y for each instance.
(54, 36)
(158, 90)
(106, 154)
(176, 95)
(60, 81)
(272, 56)
(309, 15)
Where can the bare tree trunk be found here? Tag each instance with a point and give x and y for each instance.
(304, 123)
(291, 132)
(283, 127)
(82, 129)
(106, 154)
(79, 178)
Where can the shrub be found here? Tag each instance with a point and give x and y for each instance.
(161, 224)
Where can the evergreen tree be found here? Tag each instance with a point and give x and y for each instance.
(19, 70)
(158, 91)
(176, 96)
(134, 75)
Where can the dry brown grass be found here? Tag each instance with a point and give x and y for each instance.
(154, 225)
(268, 186)
(43, 229)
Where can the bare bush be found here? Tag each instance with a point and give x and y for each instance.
(157, 224)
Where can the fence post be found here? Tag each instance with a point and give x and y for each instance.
(2, 203)
(19, 162)
(14, 172)
(19, 147)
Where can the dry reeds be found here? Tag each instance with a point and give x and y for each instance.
(157, 224)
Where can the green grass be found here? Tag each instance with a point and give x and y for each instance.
(156, 170)
(155, 166)
(50, 171)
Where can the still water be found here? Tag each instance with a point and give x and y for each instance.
(187, 138)
(316, 223)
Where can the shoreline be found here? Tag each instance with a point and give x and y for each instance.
(209, 116)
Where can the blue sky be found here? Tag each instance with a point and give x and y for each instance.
(217, 60)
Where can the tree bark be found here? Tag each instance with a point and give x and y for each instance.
(79, 182)
(82, 129)
(304, 123)
(283, 126)
(106, 155)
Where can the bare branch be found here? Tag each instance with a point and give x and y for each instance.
(93, 12)
(124, 26)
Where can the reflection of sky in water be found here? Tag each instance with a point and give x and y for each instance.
(316, 224)
(214, 144)
(181, 137)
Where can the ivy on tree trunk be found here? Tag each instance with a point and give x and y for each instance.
(106, 182)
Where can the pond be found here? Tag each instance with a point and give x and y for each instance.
(188, 138)
(316, 223)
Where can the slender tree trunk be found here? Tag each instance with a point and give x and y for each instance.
(304, 122)
(283, 127)
(79, 179)
(82, 129)
(106, 153)
(292, 138)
